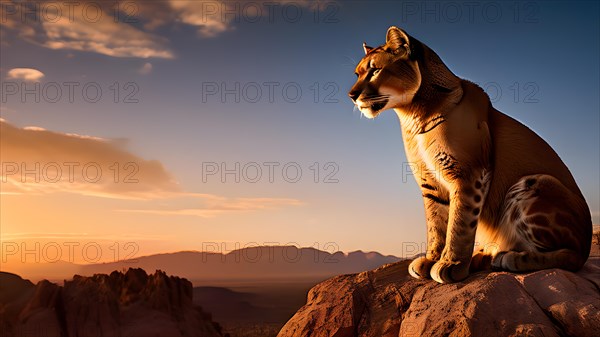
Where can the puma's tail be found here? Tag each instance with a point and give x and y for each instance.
(530, 260)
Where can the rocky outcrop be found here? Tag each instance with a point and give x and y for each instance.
(116, 305)
(387, 302)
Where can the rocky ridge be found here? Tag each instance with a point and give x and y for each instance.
(132, 303)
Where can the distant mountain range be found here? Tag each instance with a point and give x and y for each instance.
(251, 264)
(254, 264)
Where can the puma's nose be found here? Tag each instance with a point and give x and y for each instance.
(353, 94)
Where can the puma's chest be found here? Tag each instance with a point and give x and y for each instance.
(445, 145)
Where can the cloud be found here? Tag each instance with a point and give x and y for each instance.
(212, 18)
(80, 236)
(125, 28)
(25, 74)
(207, 16)
(146, 68)
(104, 37)
(215, 17)
(89, 26)
(38, 161)
(209, 205)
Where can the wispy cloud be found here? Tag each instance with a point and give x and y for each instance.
(25, 74)
(38, 161)
(61, 26)
(209, 205)
(207, 16)
(213, 18)
(127, 28)
(104, 37)
(146, 68)
(80, 237)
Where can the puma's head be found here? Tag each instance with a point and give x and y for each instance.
(388, 76)
(398, 74)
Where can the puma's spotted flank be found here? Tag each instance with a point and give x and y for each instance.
(484, 176)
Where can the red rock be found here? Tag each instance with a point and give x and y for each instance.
(388, 302)
(132, 304)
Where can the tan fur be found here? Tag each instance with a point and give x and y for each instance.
(481, 172)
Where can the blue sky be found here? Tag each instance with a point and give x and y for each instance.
(538, 61)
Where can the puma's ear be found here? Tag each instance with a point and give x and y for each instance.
(397, 40)
(367, 48)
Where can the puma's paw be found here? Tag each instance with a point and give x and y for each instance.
(420, 268)
(499, 261)
(449, 271)
(480, 262)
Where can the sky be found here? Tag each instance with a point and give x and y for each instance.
(137, 127)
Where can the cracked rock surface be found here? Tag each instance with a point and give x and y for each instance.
(388, 302)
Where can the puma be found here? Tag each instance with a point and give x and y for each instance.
(484, 176)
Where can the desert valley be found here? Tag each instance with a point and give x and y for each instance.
(264, 292)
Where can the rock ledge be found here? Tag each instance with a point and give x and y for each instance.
(387, 302)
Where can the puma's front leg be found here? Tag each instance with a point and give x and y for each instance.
(465, 206)
(436, 209)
